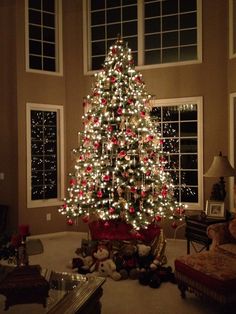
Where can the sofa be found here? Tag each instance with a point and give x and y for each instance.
(223, 236)
(211, 274)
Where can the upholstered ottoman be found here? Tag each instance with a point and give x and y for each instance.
(211, 274)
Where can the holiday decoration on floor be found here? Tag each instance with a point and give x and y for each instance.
(120, 172)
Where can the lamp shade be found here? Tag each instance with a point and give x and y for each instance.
(220, 167)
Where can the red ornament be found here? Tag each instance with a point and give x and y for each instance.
(109, 128)
(119, 111)
(96, 145)
(133, 189)
(84, 182)
(106, 178)
(122, 154)
(104, 101)
(114, 51)
(99, 194)
(85, 219)
(129, 132)
(70, 222)
(89, 169)
(158, 218)
(95, 120)
(111, 210)
(174, 225)
(142, 114)
(114, 140)
(113, 79)
(131, 210)
(164, 191)
(148, 173)
(130, 101)
(143, 193)
(80, 193)
(72, 182)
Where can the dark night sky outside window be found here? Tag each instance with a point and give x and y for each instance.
(44, 168)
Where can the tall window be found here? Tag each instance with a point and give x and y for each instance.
(232, 28)
(43, 36)
(179, 122)
(157, 31)
(45, 154)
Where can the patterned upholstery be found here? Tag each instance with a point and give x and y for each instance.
(211, 274)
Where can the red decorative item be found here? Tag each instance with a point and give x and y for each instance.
(24, 230)
(119, 111)
(132, 210)
(16, 240)
(96, 145)
(158, 218)
(110, 128)
(174, 225)
(113, 79)
(106, 178)
(148, 173)
(143, 193)
(72, 182)
(130, 101)
(80, 193)
(84, 182)
(104, 101)
(111, 210)
(99, 194)
(122, 154)
(70, 222)
(106, 224)
(142, 114)
(133, 189)
(114, 51)
(114, 140)
(85, 219)
(95, 120)
(89, 169)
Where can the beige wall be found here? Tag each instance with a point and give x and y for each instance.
(213, 79)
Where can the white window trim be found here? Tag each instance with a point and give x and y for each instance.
(232, 126)
(87, 40)
(60, 135)
(199, 101)
(59, 41)
(232, 54)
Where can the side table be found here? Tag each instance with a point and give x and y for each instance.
(195, 231)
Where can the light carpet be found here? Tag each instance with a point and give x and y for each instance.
(120, 297)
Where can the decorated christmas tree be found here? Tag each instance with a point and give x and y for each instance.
(119, 172)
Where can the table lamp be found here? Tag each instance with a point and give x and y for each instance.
(221, 168)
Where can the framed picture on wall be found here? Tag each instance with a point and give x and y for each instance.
(215, 209)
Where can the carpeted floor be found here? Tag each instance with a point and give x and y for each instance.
(122, 297)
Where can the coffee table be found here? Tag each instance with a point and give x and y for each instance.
(68, 293)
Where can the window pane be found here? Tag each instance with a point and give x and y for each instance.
(189, 194)
(188, 5)
(113, 30)
(152, 9)
(49, 50)
(170, 39)
(129, 13)
(35, 62)
(170, 55)
(129, 28)
(96, 5)
(129, 2)
(48, 34)
(188, 20)
(34, 17)
(49, 20)
(49, 64)
(49, 5)
(97, 62)
(169, 7)
(188, 53)
(36, 4)
(113, 15)
(98, 32)
(113, 3)
(189, 161)
(188, 145)
(98, 18)
(152, 41)
(170, 129)
(132, 43)
(188, 129)
(35, 47)
(152, 57)
(189, 177)
(170, 23)
(98, 48)
(34, 32)
(189, 112)
(188, 37)
(152, 25)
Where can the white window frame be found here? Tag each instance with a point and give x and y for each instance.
(60, 158)
(58, 42)
(87, 40)
(199, 102)
(232, 53)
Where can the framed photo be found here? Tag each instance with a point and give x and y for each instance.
(215, 209)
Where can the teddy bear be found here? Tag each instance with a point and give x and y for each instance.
(83, 264)
(126, 261)
(145, 257)
(104, 266)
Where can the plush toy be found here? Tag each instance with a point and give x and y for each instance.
(158, 251)
(104, 265)
(154, 278)
(83, 264)
(126, 261)
(145, 257)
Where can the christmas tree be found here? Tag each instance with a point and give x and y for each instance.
(119, 171)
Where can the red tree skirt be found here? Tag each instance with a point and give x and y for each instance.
(119, 230)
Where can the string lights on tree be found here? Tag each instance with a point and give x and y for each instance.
(119, 171)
